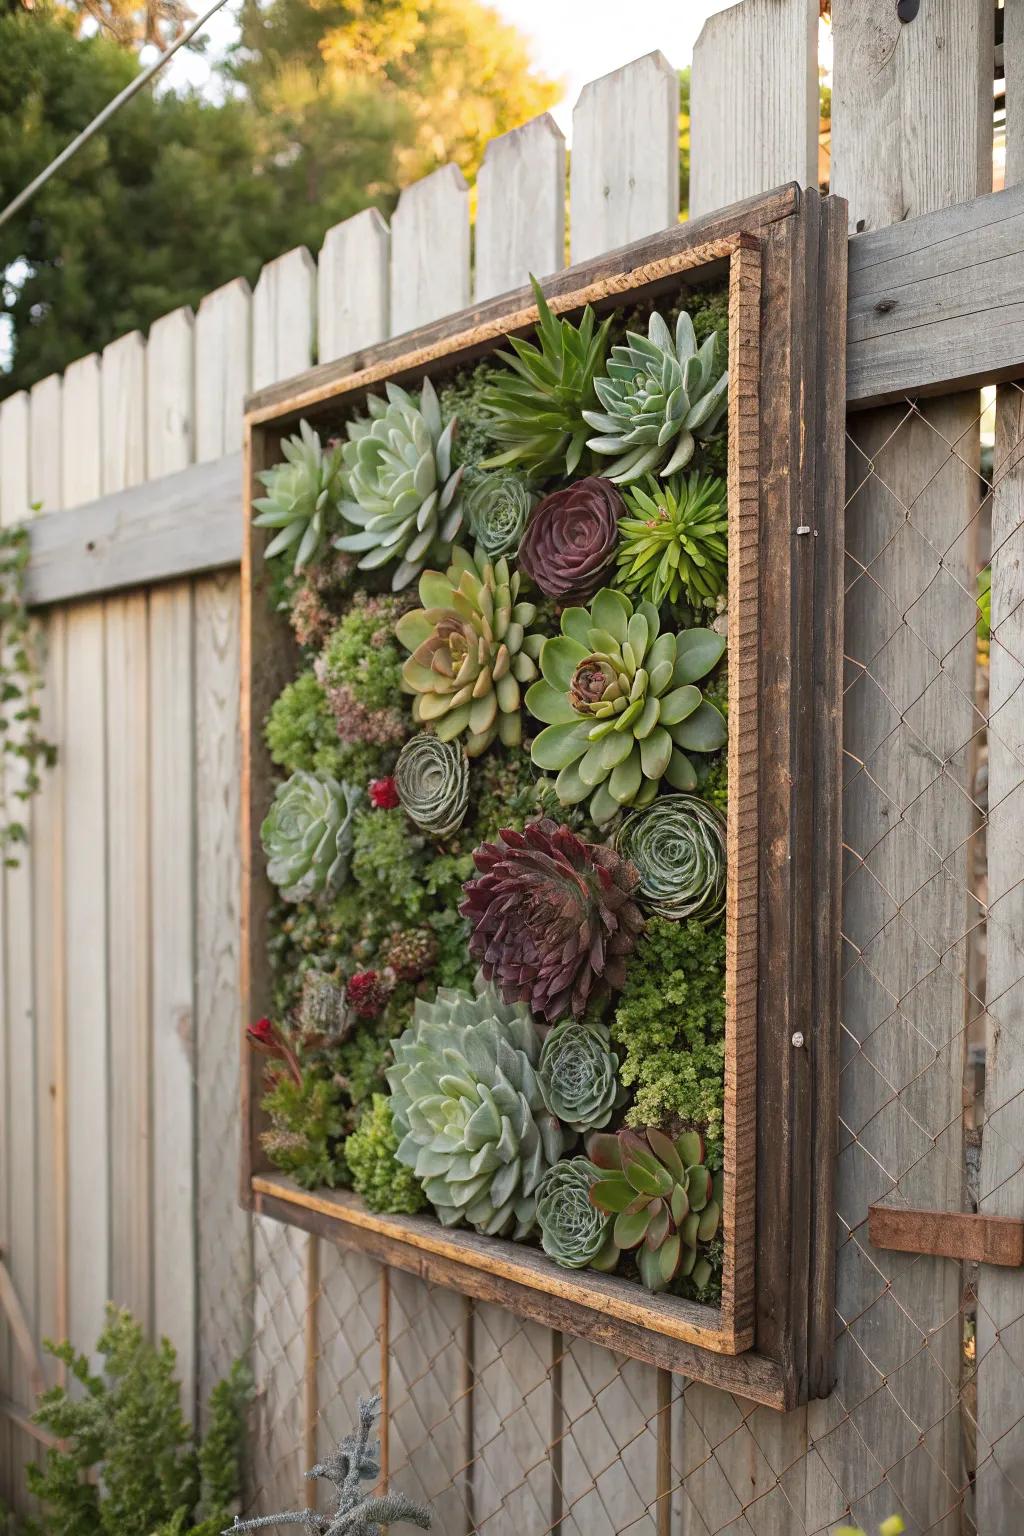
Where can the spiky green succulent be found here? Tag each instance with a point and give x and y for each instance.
(497, 507)
(673, 543)
(432, 780)
(303, 497)
(470, 1113)
(677, 846)
(470, 652)
(536, 407)
(621, 707)
(659, 395)
(573, 1231)
(579, 1073)
(307, 835)
(404, 490)
(663, 1200)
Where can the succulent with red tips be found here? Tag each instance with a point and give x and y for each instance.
(552, 918)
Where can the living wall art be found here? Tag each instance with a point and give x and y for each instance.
(503, 705)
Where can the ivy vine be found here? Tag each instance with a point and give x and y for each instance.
(24, 751)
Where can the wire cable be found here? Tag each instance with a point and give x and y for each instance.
(130, 90)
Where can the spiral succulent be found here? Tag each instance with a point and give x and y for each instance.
(674, 543)
(579, 1073)
(469, 1111)
(569, 547)
(535, 407)
(620, 705)
(552, 918)
(497, 507)
(678, 847)
(405, 491)
(432, 779)
(659, 395)
(307, 835)
(573, 1231)
(663, 1200)
(470, 652)
(304, 495)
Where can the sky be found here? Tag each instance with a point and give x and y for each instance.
(572, 40)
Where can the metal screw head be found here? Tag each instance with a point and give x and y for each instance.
(906, 10)
(798, 1039)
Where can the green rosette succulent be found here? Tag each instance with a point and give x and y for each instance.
(663, 1200)
(573, 1231)
(497, 508)
(677, 845)
(579, 1073)
(432, 780)
(303, 497)
(536, 407)
(307, 835)
(469, 1111)
(660, 393)
(621, 707)
(673, 543)
(470, 652)
(404, 489)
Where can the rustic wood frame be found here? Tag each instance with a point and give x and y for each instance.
(785, 254)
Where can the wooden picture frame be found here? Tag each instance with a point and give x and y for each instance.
(785, 257)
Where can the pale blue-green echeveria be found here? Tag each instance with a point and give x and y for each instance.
(497, 507)
(470, 652)
(573, 1231)
(307, 835)
(621, 706)
(677, 845)
(579, 1073)
(470, 1113)
(660, 393)
(405, 492)
(303, 496)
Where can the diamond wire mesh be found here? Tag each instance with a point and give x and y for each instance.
(504, 1427)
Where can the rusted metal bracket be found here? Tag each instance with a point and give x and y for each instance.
(948, 1234)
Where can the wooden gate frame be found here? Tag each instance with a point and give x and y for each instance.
(785, 254)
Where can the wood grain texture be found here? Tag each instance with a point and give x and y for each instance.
(123, 405)
(15, 496)
(283, 317)
(753, 101)
(430, 250)
(170, 394)
(353, 283)
(911, 108)
(81, 433)
(223, 353)
(520, 215)
(186, 523)
(624, 180)
(45, 444)
(948, 1234)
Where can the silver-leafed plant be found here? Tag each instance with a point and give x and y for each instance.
(678, 847)
(579, 1073)
(573, 1231)
(432, 780)
(307, 835)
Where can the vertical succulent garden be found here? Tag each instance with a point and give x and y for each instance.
(498, 835)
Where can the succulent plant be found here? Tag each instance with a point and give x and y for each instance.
(322, 1010)
(552, 918)
(496, 508)
(307, 835)
(673, 542)
(569, 547)
(620, 705)
(663, 1200)
(678, 847)
(303, 496)
(536, 408)
(573, 1231)
(470, 652)
(432, 779)
(579, 1073)
(659, 395)
(469, 1111)
(405, 491)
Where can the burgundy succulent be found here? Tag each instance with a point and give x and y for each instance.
(552, 918)
(568, 549)
(368, 993)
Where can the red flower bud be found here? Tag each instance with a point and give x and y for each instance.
(367, 993)
(383, 794)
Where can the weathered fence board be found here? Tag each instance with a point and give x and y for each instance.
(430, 250)
(223, 368)
(81, 439)
(520, 217)
(283, 317)
(353, 276)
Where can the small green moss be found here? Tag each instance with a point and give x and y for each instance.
(387, 862)
(384, 1183)
(462, 397)
(308, 1126)
(363, 656)
(670, 1024)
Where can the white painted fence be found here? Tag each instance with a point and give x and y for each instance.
(120, 932)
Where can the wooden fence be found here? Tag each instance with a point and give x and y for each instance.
(119, 952)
